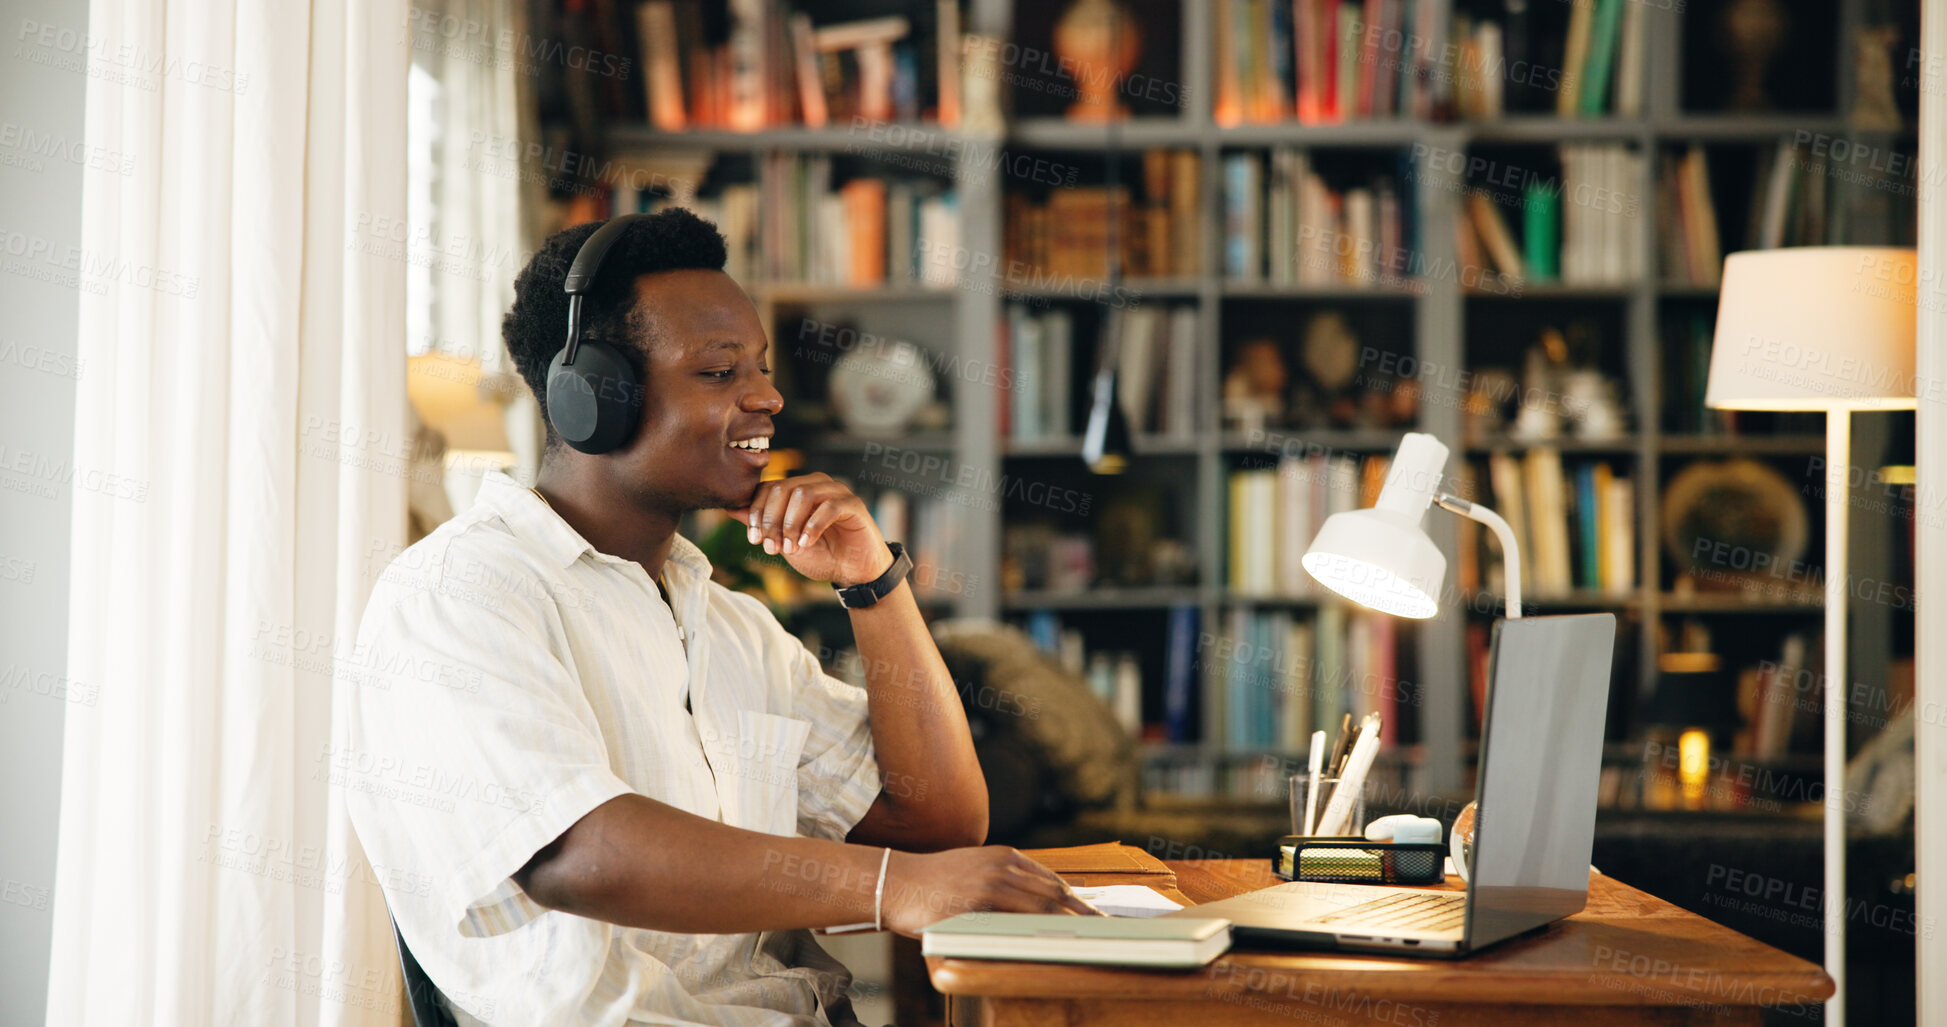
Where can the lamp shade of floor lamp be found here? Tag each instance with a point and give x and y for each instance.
(1826, 328)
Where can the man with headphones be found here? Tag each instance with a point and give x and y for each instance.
(606, 789)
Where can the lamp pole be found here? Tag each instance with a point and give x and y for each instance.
(1838, 460)
(1510, 553)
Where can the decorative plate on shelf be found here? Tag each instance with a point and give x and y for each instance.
(878, 390)
(1749, 515)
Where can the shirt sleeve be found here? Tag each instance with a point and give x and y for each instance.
(472, 746)
(838, 772)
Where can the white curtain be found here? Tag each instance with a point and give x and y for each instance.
(479, 176)
(477, 190)
(243, 420)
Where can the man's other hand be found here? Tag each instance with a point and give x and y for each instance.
(923, 889)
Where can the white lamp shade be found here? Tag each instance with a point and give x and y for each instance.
(1379, 558)
(1815, 328)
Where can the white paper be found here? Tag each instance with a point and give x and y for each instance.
(1128, 900)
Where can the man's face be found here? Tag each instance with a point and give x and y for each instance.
(708, 385)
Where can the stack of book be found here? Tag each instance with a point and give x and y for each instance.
(775, 68)
(1041, 351)
(1575, 524)
(1580, 228)
(1778, 698)
(1796, 200)
(1287, 228)
(1331, 61)
(1271, 677)
(934, 535)
(796, 226)
(1156, 369)
(1604, 48)
(1275, 511)
(1116, 677)
(1067, 237)
(1687, 219)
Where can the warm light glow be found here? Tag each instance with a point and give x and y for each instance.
(1370, 585)
(1688, 663)
(1693, 765)
(1111, 463)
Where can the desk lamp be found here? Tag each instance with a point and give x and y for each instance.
(1382, 558)
(1826, 328)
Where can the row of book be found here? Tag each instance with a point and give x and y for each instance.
(1275, 511)
(1191, 774)
(1775, 702)
(1269, 678)
(1579, 228)
(1690, 249)
(934, 534)
(796, 225)
(1332, 61)
(1257, 680)
(1114, 677)
(774, 67)
(1155, 363)
(1575, 525)
(1795, 201)
(1067, 235)
(1288, 228)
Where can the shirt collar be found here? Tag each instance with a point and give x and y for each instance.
(535, 521)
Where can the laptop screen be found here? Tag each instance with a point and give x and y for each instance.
(1541, 756)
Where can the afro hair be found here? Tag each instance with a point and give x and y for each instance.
(536, 327)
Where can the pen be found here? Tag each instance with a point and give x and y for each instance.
(1342, 746)
(1311, 794)
(1351, 744)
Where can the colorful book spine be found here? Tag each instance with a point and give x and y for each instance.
(1604, 38)
(1541, 232)
(1179, 675)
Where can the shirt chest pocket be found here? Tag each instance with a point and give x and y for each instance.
(756, 768)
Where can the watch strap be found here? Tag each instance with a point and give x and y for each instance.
(858, 597)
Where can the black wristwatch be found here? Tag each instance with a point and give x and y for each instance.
(858, 597)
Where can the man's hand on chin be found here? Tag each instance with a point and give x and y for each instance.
(820, 528)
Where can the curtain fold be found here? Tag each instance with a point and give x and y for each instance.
(248, 330)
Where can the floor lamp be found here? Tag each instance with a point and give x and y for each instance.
(1825, 328)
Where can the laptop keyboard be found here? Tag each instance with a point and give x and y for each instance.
(1424, 911)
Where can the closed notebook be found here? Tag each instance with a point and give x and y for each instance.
(1108, 940)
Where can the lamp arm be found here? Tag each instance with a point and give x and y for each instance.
(1510, 553)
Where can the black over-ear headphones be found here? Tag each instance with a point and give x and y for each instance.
(594, 399)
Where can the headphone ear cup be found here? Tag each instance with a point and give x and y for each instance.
(595, 404)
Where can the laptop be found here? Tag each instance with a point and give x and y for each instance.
(1540, 757)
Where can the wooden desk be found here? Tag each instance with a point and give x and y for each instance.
(1629, 958)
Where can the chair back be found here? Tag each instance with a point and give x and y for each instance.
(428, 1007)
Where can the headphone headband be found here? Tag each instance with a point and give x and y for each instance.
(588, 260)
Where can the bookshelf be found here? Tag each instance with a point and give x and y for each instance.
(1437, 319)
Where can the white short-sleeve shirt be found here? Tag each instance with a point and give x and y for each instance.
(508, 679)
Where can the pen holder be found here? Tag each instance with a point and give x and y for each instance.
(1358, 861)
(1301, 800)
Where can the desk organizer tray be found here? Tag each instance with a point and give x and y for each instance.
(1358, 861)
